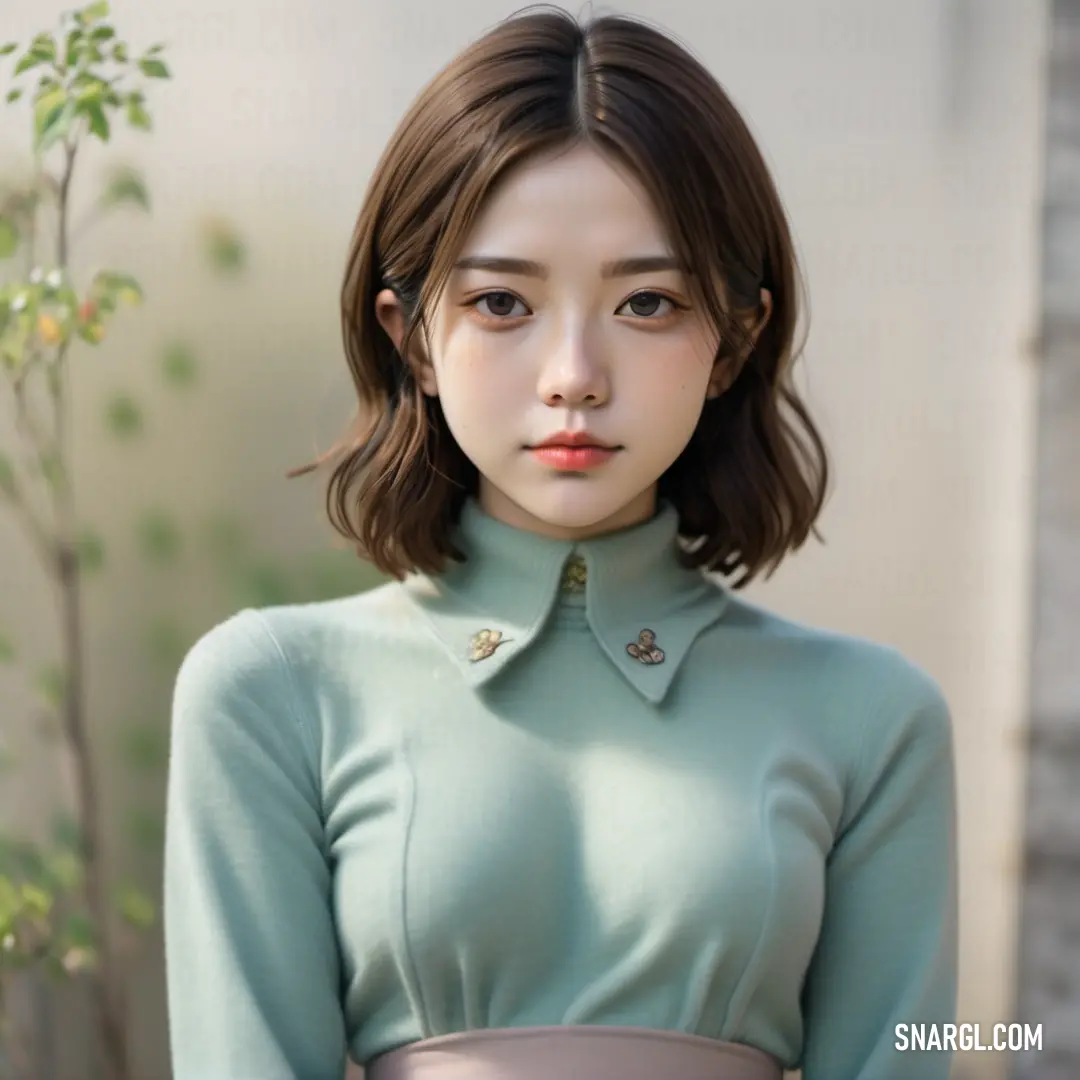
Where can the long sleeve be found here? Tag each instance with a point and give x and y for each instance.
(887, 951)
(252, 965)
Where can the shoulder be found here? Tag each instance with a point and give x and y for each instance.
(262, 650)
(234, 656)
(235, 691)
(871, 679)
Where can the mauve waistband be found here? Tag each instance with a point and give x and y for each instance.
(573, 1052)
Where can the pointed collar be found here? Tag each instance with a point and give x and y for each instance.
(491, 608)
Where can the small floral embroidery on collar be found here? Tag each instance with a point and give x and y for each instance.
(644, 650)
(509, 593)
(575, 575)
(484, 643)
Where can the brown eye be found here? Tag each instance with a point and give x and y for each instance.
(500, 304)
(645, 304)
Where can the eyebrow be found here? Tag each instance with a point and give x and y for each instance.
(640, 264)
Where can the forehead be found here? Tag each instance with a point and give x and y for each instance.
(577, 197)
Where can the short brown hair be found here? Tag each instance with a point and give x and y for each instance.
(750, 485)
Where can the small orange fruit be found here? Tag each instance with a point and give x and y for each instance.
(49, 329)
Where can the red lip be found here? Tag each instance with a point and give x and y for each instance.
(574, 438)
(573, 458)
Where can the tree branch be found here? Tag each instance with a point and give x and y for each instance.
(70, 150)
(25, 418)
(36, 530)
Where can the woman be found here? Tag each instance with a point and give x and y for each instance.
(553, 802)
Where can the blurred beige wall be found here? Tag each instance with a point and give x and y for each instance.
(906, 139)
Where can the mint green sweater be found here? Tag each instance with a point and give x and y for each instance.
(492, 798)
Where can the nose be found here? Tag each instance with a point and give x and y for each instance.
(574, 371)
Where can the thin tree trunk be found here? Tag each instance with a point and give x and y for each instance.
(105, 983)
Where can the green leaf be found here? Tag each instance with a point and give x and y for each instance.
(123, 416)
(73, 46)
(224, 246)
(67, 833)
(167, 643)
(26, 62)
(8, 48)
(125, 288)
(44, 47)
(146, 830)
(87, 87)
(91, 551)
(99, 122)
(58, 126)
(47, 104)
(9, 238)
(37, 902)
(20, 859)
(64, 869)
(53, 113)
(225, 539)
(96, 11)
(13, 95)
(120, 53)
(19, 318)
(145, 748)
(42, 51)
(109, 286)
(159, 537)
(102, 33)
(92, 331)
(51, 685)
(267, 586)
(7, 649)
(179, 364)
(155, 49)
(52, 470)
(137, 116)
(153, 68)
(136, 907)
(7, 476)
(44, 43)
(126, 186)
(79, 930)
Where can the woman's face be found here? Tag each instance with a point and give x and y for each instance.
(546, 325)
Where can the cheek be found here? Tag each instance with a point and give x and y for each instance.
(476, 386)
(670, 389)
(677, 374)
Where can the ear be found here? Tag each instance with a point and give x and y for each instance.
(391, 317)
(727, 370)
(766, 314)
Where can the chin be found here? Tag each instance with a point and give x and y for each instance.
(580, 507)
